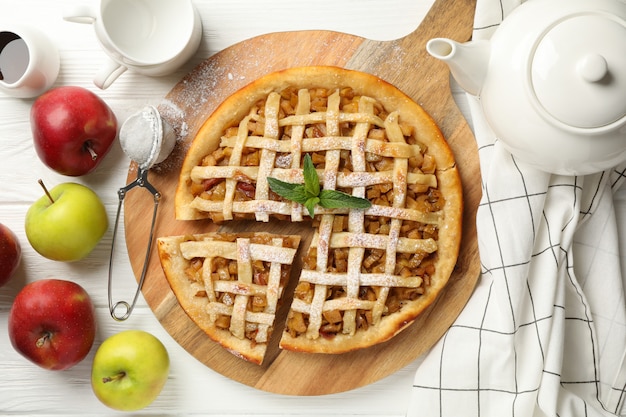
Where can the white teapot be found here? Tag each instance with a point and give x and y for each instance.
(552, 82)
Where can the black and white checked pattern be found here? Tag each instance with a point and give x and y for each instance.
(544, 334)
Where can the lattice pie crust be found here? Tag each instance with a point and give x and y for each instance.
(368, 273)
(231, 284)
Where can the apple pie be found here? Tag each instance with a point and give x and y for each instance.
(230, 284)
(370, 272)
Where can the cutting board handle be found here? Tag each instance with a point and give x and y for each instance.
(447, 17)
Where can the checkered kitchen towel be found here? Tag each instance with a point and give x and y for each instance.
(544, 333)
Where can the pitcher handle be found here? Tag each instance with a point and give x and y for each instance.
(109, 73)
(80, 13)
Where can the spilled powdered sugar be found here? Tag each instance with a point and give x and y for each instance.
(203, 87)
(176, 117)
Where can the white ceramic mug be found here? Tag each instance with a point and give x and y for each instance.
(150, 37)
(29, 61)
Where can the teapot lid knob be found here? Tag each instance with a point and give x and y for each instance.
(592, 68)
(578, 71)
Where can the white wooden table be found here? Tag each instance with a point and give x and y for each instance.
(192, 388)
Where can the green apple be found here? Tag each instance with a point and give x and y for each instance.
(129, 370)
(67, 223)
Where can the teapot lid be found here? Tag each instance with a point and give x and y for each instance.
(578, 70)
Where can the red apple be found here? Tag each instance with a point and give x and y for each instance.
(73, 129)
(52, 323)
(10, 254)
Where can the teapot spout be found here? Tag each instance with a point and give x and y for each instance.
(467, 61)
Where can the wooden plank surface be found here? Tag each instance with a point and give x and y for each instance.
(402, 62)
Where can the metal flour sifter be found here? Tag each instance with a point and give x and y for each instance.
(147, 140)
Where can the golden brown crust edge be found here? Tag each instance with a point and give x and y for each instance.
(237, 105)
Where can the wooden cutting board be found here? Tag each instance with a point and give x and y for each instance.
(402, 62)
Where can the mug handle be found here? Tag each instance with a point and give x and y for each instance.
(109, 73)
(80, 13)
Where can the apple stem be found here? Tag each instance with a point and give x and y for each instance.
(42, 340)
(45, 190)
(115, 377)
(93, 153)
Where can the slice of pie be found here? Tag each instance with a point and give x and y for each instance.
(368, 272)
(230, 284)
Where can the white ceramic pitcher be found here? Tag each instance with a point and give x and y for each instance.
(29, 61)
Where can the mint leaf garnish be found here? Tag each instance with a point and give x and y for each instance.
(310, 205)
(309, 193)
(311, 180)
(293, 192)
(339, 199)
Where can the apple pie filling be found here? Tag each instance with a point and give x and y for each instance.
(370, 269)
(380, 159)
(234, 281)
(417, 193)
